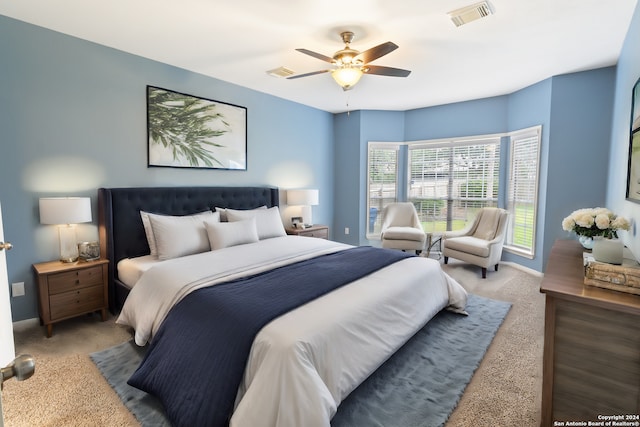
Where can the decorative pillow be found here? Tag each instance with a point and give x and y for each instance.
(223, 212)
(225, 234)
(178, 236)
(149, 231)
(268, 221)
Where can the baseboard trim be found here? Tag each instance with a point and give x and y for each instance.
(523, 268)
(24, 324)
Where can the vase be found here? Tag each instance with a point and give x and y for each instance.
(607, 250)
(586, 241)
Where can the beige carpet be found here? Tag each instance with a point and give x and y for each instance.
(68, 390)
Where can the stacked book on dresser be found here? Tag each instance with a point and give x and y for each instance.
(624, 277)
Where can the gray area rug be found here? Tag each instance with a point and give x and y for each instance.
(419, 386)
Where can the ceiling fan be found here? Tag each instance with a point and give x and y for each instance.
(351, 64)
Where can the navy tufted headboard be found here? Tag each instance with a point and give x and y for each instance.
(120, 227)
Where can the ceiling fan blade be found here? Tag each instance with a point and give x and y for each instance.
(316, 55)
(386, 71)
(376, 52)
(308, 74)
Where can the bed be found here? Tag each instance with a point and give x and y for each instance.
(298, 361)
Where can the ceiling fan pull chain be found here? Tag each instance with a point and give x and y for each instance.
(348, 111)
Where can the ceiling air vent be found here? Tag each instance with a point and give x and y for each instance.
(467, 14)
(280, 72)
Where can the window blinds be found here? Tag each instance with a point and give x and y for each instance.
(382, 185)
(450, 181)
(523, 189)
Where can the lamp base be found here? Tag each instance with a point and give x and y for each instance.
(307, 216)
(68, 243)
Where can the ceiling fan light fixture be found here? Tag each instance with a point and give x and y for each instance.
(350, 64)
(347, 77)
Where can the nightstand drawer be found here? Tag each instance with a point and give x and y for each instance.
(69, 280)
(317, 231)
(76, 302)
(321, 234)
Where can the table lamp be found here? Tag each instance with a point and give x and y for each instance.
(65, 212)
(305, 199)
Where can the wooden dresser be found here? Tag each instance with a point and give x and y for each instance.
(68, 290)
(591, 363)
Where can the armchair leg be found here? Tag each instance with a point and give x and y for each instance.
(484, 273)
(496, 267)
(418, 251)
(446, 259)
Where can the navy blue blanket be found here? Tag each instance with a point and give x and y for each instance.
(196, 361)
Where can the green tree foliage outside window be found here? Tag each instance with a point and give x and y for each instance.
(473, 190)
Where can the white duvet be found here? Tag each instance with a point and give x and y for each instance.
(304, 363)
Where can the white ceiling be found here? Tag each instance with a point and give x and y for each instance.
(523, 42)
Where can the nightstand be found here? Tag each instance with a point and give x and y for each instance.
(67, 290)
(319, 231)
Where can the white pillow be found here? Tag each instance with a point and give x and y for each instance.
(146, 223)
(223, 212)
(268, 221)
(178, 236)
(225, 234)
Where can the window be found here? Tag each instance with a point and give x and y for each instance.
(522, 192)
(382, 186)
(450, 180)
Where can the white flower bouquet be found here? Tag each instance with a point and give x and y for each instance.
(592, 222)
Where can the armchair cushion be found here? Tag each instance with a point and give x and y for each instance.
(404, 233)
(470, 245)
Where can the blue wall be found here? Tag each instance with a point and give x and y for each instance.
(347, 176)
(73, 119)
(478, 117)
(627, 73)
(581, 106)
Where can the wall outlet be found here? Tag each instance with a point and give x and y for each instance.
(17, 289)
(346, 230)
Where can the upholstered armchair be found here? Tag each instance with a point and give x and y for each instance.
(480, 243)
(401, 228)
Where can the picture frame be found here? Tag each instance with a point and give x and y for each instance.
(187, 131)
(89, 251)
(633, 170)
(296, 222)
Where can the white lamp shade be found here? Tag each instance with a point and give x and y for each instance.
(302, 197)
(65, 210)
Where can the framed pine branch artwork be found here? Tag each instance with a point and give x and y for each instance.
(633, 171)
(186, 131)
